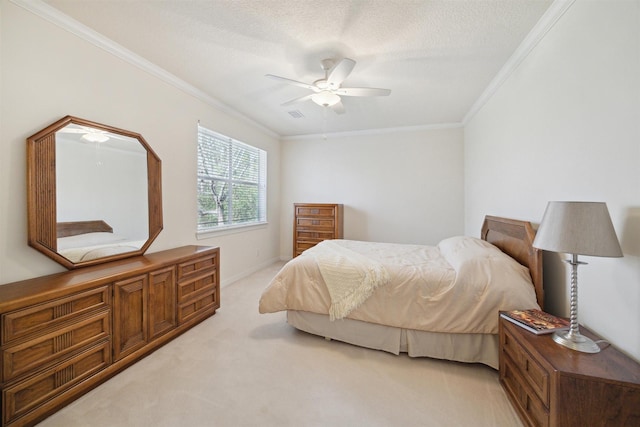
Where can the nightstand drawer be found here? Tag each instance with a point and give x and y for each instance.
(526, 401)
(532, 372)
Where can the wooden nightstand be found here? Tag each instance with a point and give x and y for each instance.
(551, 385)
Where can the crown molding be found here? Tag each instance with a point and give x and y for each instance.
(53, 15)
(367, 132)
(537, 33)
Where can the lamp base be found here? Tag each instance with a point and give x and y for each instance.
(576, 341)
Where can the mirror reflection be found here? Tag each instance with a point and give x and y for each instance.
(101, 193)
(94, 193)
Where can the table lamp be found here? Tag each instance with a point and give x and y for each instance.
(577, 228)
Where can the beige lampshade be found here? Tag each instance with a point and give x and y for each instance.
(581, 228)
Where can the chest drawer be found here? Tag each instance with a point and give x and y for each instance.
(328, 211)
(535, 376)
(302, 246)
(50, 348)
(316, 223)
(314, 236)
(44, 317)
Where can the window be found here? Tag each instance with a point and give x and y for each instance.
(232, 182)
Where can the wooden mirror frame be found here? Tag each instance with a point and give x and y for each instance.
(41, 192)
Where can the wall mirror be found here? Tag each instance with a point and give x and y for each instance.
(94, 193)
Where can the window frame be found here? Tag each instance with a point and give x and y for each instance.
(261, 184)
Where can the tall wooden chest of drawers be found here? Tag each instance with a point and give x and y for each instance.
(63, 334)
(315, 222)
(550, 385)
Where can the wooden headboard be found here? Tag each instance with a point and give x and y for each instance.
(515, 238)
(66, 229)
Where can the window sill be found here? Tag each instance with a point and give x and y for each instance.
(231, 229)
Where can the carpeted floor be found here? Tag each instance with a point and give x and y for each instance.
(242, 368)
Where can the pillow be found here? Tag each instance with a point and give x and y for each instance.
(463, 249)
(482, 268)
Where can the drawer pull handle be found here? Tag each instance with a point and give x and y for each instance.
(63, 376)
(63, 310)
(62, 342)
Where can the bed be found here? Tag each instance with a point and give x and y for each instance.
(427, 301)
(80, 241)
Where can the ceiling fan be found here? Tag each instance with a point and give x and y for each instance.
(328, 90)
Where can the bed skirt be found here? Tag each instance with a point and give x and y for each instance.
(468, 348)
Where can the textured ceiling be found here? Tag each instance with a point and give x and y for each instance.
(437, 57)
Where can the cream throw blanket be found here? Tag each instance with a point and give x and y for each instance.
(350, 277)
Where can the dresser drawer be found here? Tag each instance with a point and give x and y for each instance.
(48, 349)
(201, 306)
(526, 401)
(532, 372)
(198, 266)
(44, 317)
(205, 283)
(315, 211)
(33, 392)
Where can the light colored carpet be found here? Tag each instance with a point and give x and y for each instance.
(242, 368)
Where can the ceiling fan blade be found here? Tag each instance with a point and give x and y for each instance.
(338, 108)
(296, 100)
(292, 82)
(362, 91)
(340, 72)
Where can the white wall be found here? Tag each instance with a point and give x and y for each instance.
(48, 73)
(403, 187)
(566, 126)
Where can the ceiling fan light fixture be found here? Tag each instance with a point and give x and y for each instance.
(325, 98)
(95, 137)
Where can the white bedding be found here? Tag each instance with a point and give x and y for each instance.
(88, 246)
(457, 286)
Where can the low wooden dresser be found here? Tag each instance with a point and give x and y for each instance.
(63, 334)
(315, 222)
(551, 385)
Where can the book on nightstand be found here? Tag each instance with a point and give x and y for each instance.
(536, 321)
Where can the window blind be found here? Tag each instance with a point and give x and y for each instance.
(232, 179)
